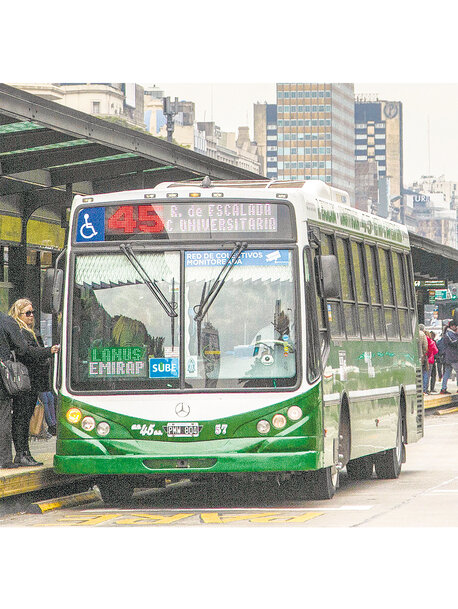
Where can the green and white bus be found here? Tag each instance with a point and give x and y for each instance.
(245, 327)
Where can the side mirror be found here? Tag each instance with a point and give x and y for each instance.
(52, 291)
(331, 276)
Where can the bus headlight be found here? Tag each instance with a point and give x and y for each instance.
(294, 413)
(103, 429)
(263, 426)
(88, 423)
(73, 415)
(279, 421)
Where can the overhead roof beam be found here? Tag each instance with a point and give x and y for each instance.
(107, 169)
(22, 161)
(21, 140)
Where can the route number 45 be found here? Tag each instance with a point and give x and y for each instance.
(220, 429)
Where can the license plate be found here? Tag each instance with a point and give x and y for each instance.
(182, 430)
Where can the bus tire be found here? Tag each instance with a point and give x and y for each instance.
(388, 463)
(360, 469)
(323, 483)
(115, 490)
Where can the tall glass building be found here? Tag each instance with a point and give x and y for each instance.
(315, 133)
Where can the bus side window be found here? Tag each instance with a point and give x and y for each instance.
(389, 302)
(321, 309)
(362, 291)
(411, 291)
(375, 294)
(348, 290)
(334, 305)
(400, 281)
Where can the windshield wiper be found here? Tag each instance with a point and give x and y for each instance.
(150, 283)
(219, 282)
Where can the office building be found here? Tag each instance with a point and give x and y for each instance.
(265, 136)
(378, 139)
(315, 130)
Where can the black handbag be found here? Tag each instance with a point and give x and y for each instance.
(15, 376)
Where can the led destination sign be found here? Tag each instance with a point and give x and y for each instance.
(182, 221)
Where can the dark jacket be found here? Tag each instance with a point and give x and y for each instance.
(11, 339)
(37, 361)
(451, 346)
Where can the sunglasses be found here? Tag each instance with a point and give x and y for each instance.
(29, 313)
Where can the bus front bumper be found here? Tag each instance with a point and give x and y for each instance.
(277, 455)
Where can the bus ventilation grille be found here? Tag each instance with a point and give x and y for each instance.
(420, 410)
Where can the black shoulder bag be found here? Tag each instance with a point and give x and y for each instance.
(15, 376)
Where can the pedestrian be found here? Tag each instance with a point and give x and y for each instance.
(11, 339)
(38, 366)
(424, 356)
(47, 399)
(432, 352)
(450, 353)
(440, 358)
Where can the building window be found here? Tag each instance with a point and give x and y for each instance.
(95, 107)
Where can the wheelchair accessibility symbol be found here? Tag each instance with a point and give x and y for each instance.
(91, 225)
(87, 230)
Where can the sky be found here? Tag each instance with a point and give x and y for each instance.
(254, 45)
(430, 116)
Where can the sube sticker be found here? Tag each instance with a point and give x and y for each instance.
(164, 368)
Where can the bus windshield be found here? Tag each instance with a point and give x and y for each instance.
(247, 337)
(124, 339)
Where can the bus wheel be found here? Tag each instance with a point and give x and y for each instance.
(323, 483)
(388, 464)
(115, 490)
(360, 469)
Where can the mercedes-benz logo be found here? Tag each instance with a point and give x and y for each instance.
(182, 409)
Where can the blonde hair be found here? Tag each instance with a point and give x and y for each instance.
(15, 312)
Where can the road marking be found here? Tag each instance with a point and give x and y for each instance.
(204, 517)
(445, 491)
(262, 518)
(95, 517)
(69, 520)
(154, 519)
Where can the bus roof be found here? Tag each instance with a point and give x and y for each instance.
(316, 188)
(314, 200)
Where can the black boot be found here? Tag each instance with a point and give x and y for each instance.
(23, 460)
(30, 458)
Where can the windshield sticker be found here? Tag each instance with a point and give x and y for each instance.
(191, 366)
(91, 225)
(118, 362)
(163, 368)
(247, 258)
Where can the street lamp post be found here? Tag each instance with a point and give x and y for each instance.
(170, 109)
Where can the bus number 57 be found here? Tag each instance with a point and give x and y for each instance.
(220, 429)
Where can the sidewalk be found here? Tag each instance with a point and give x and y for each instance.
(433, 400)
(27, 479)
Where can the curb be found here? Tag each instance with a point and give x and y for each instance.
(40, 507)
(446, 411)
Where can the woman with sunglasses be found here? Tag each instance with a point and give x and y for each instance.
(38, 366)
